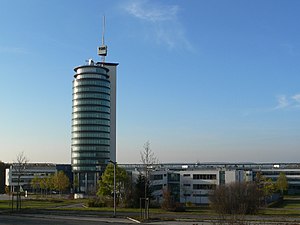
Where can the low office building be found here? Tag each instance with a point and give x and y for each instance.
(190, 185)
(21, 177)
(197, 185)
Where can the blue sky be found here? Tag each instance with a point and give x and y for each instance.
(203, 81)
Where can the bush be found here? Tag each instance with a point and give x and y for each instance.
(236, 198)
(168, 201)
(189, 204)
(96, 202)
(169, 204)
(179, 207)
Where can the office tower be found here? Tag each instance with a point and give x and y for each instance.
(93, 123)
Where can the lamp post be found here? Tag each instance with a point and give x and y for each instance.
(115, 164)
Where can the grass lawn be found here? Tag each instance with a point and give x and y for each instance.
(39, 203)
(289, 207)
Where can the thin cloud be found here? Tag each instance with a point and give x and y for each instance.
(296, 98)
(288, 102)
(282, 102)
(145, 11)
(162, 23)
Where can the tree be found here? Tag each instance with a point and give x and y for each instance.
(282, 183)
(149, 160)
(43, 185)
(168, 200)
(60, 181)
(35, 183)
(106, 183)
(2, 177)
(139, 190)
(20, 167)
(50, 182)
(265, 185)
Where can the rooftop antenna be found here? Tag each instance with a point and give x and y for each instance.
(102, 50)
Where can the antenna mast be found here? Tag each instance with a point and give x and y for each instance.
(102, 50)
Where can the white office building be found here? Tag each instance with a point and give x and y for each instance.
(21, 177)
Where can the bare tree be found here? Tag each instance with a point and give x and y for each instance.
(148, 159)
(20, 167)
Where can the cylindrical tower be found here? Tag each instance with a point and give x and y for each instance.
(91, 118)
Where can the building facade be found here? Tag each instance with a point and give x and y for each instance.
(195, 182)
(93, 123)
(196, 185)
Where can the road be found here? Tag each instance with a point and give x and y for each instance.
(36, 219)
(59, 220)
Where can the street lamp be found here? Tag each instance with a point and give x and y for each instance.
(115, 164)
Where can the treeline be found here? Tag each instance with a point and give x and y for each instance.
(58, 182)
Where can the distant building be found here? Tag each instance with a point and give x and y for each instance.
(195, 182)
(31, 170)
(186, 182)
(192, 186)
(93, 123)
(22, 178)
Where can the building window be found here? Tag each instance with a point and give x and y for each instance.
(204, 186)
(200, 195)
(157, 187)
(173, 177)
(157, 177)
(187, 185)
(186, 175)
(204, 176)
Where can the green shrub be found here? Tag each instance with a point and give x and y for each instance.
(96, 202)
(189, 204)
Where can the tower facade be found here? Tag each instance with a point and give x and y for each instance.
(93, 123)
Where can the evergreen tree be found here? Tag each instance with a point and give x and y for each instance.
(139, 190)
